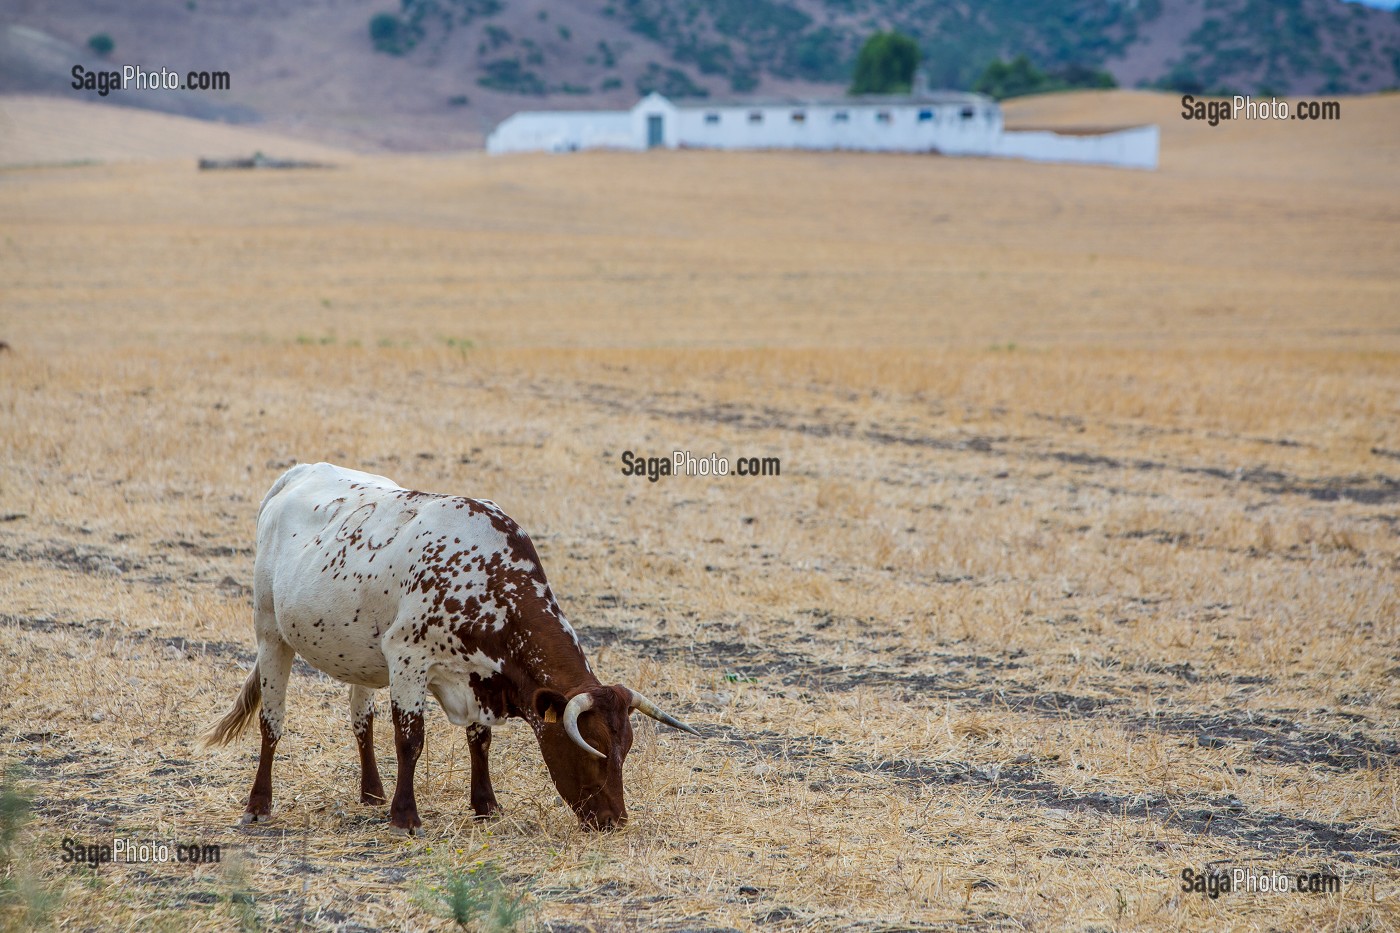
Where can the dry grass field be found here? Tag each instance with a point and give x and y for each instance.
(1081, 569)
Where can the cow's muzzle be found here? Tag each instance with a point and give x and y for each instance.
(603, 821)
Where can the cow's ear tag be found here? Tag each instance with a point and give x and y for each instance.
(550, 715)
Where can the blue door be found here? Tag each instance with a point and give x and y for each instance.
(656, 130)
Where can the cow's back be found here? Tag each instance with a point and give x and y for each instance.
(321, 510)
(331, 561)
(348, 562)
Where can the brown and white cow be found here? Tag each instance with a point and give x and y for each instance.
(377, 585)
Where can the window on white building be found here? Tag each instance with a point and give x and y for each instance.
(799, 116)
(755, 116)
(841, 116)
(884, 116)
(926, 115)
(968, 113)
(711, 118)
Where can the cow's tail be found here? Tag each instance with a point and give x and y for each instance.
(236, 719)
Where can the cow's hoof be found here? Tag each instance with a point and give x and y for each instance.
(254, 818)
(408, 831)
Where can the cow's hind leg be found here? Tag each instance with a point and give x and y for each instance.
(274, 668)
(362, 723)
(483, 795)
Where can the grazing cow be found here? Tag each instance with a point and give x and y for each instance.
(377, 585)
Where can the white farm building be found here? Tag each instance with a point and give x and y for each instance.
(946, 122)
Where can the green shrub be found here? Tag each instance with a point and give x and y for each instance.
(508, 75)
(389, 34)
(25, 901)
(1020, 77)
(101, 44)
(1082, 76)
(712, 58)
(668, 82)
(820, 55)
(1182, 79)
(497, 36)
(477, 899)
(1015, 78)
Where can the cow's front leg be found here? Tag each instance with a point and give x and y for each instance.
(483, 795)
(407, 695)
(362, 723)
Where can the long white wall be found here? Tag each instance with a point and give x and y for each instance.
(1131, 148)
(564, 131)
(952, 126)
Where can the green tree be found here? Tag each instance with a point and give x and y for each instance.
(886, 64)
(101, 44)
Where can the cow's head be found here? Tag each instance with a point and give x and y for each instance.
(585, 738)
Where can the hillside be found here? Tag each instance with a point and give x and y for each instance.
(443, 72)
(38, 130)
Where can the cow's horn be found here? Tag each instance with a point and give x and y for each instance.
(644, 705)
(576, 708)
